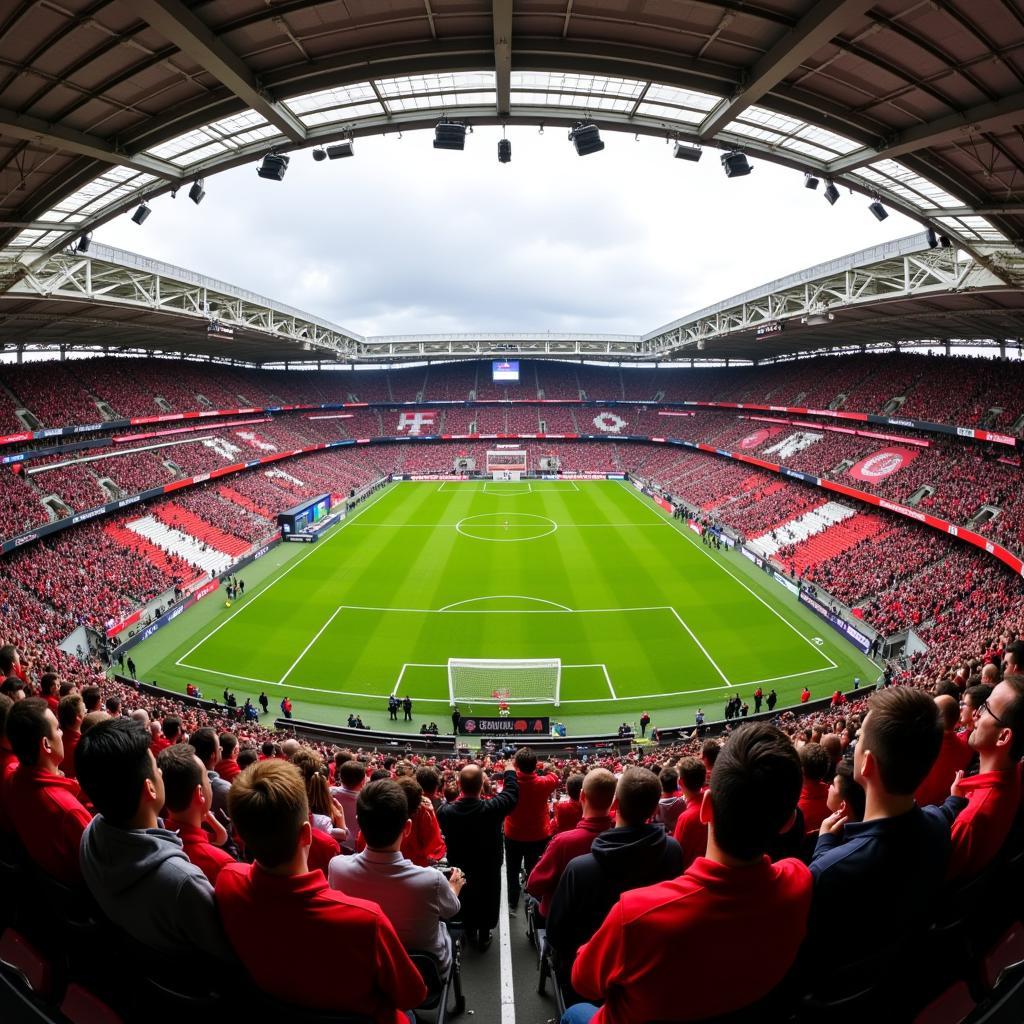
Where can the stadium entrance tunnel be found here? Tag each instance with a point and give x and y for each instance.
(506, 527)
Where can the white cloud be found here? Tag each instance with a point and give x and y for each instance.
(406, 239)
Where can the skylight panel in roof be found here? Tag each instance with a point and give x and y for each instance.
(663, 113)
(237, 123)
(566, 82)
(193, 156)
(808, 149)
(681, 97)
(181, 144)
(830, 140)
(898, 172)
(341, 115)
(329, 99)
(436, 83)
(748, 131)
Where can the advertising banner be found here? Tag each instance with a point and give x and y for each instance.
(882, 464)
(838, 623)
(504, 725)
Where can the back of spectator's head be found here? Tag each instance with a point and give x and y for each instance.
(669, 779)
(404, 768)
(204, 742)
(709, 752)
(65, 687)
(70, 711)
(93, 718)
(599, 790)
(48, 684)
(267, 748)
(471, 780)
(290, 747)
(13, 688)
(352, 774)
(113, 706)
(899, 740)
(754, 790)
(637, 795)
(117, 770)
(183, 775)
(171, 728)
(228, 745)
(846, 793)
(269, 809)
(91, 697)
(947, 688)
(815, 762)
(246, 757)
(428, 779)
(142, 715)
(31, 727)
(8, 659)
(383, 811)
(833, 746)
(413, 792)
(693, 773)
(949, 711)
(574, 786)
(526, 760)
(5, 709)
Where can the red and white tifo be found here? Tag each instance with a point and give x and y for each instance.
(882, 464)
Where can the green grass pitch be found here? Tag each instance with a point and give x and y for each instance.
(641, 614)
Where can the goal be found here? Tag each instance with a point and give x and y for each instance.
(512, 681)
(506, 464)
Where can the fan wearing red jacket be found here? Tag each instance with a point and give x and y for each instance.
(270, 810)
(724, 904)
(526, 828)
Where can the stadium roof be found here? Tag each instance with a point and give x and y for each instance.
(105, 101)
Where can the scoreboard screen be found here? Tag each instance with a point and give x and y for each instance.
(299, 520)
(505, 371)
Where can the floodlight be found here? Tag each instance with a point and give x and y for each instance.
(945, 242)
(84, 242)
(196, 192)
(586, 138)
(319, 154)
(273, 167)
(831, 193)
(140, 215)
(735, 164)
(340, 149)
(878, 210)
(504, 151)
(933, 239)
(810, 181)
(691, 153)
(450, 135)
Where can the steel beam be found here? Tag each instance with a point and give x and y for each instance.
(502, 14)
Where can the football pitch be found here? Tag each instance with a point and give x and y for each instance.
(642, 615)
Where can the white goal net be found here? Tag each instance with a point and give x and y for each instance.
(510, 681)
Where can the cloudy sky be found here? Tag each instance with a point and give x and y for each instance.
(405, 239)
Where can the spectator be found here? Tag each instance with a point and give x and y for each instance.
(817, 773)
(424, 845)
(691, 833)
(596, 796)
(430, 784)
(92, 698)
(138, 872)
(417, 900)
(70, 713)
(207, 748)
(672, 802)
(569, 811)
(954, 755)
(993, 795)
(709, 754)
(227, 766)
(48, 687)
(8, 762)
(631, 855)
(526, 827)
(44, 807)
(188, 796)
(893, 862)
(723, 905)
(472, 830)
(846, 794)
(270, 810)
(352, 776)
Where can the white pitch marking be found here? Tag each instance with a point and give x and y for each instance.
(684, 533)
(704, 650)
(319, 633)
(508, 998)
(608, 680)
(505, 597)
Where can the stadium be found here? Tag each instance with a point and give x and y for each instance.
(523, 652)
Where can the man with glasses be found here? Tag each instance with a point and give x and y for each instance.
(993, 795)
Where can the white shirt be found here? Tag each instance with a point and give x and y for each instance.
(416, 900)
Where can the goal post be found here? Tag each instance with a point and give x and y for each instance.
(504, 681)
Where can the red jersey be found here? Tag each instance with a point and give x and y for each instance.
(198, 848)
(547, 872)
(691, 834)
(228, 769)
(8, 762)
(814, 804)
(981, 828)
(71, 741)
(632, 961)
(954, 756)
(568, 814)
(49, 817)
(528, 822)
(379, 980)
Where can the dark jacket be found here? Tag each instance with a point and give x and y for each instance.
(620, 859)
(472, 831)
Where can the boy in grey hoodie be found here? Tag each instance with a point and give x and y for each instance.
(137, 872)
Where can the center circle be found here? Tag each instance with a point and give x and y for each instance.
(506, 527)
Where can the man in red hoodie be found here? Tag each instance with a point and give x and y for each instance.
(526, 828)
(724, 904)
(691, 831)
(45, 808)
(270, 810)
(596, 799)
(993, 795)
(954, 755)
